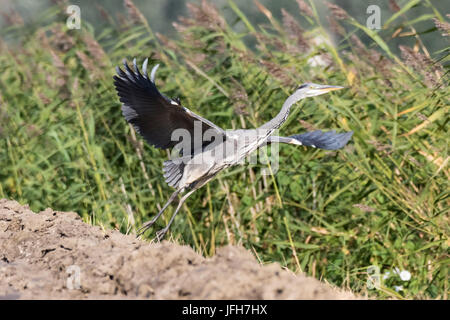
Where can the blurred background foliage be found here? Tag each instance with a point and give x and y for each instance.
(381, 201)
(161, 14)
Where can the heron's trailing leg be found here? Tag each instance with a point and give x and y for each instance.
(161, 233)
(148, 224)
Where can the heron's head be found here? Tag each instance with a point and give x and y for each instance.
(310, 89)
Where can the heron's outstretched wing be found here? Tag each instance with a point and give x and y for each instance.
(152, 114)
(324, 140)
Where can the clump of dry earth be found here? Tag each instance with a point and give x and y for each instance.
(55, 255)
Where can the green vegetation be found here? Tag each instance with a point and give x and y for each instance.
(382, 200)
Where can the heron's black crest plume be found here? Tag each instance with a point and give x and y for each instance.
(302, 86)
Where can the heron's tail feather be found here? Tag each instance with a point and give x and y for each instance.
(173, 171)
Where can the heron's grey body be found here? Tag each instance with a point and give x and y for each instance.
(206, 163)
(212, 149)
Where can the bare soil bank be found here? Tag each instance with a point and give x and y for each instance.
(41, 255)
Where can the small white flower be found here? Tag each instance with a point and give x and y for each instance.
(386, 275)
(398, 288)
(405, 275)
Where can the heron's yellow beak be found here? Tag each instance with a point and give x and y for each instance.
(331, 88)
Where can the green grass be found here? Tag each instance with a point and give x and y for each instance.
(382, 200)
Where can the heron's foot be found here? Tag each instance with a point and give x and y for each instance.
(161, 233)
(146, 226)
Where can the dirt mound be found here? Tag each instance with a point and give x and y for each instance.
(54, 255)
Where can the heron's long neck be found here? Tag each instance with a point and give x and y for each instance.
(281, 117)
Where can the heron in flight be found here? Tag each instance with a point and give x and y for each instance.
(209, 149)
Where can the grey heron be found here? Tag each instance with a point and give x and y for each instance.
(157, 117)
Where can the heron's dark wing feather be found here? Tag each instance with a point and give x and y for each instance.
(152, 114)
(323, 140)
